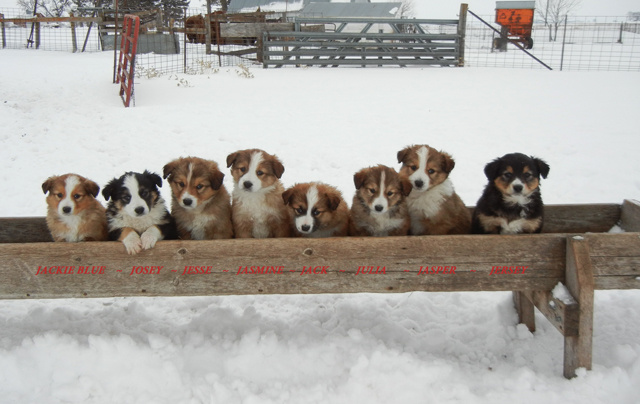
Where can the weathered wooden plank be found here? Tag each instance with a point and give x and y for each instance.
(24, 230)
(580, 218)
(630, 216)
(525, 310)
(362, 36)
(397, 259)
(562, 315)
(580, 283)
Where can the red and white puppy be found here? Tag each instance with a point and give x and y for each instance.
(379, 207)
(434, 206)
(318, 210)
(73, 212)
(257, 208)
(200, 203)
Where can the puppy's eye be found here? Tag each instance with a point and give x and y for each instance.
(390, 193)
(527, 176)
(300, 211)
(126, 198)
(77, 196)
(507, 176)
(431, 171)
(181, 184)
(259, 173)
(144, 193)
(243, 169)
(59, 195)
(199, 187)
(315, 212)
(372, 191)
(414, 168)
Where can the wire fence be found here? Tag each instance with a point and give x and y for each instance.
(577, 43)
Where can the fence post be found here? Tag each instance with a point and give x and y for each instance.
(74, 42)
(462, 30)
(4, 38)
(207, 29)
(38, 35)
(564, 39)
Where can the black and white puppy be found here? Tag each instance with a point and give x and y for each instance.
(511, 202)
(136, 213)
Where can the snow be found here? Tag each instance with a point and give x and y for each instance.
(561, 293)
(61, 113)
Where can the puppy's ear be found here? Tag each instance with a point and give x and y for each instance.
(334, 201)
(402, 154)
(91, 187)
(155, 178)
(231, 159)
(169, 168)
(491, 169)
(405, 186)
(359, 178)
(46, 186)
(287, 195)
(216, 177)
(108, 189)
(278, 168)
(543, 167)
(447, 162)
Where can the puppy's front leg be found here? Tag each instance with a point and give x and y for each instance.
(150, 237)
(131, 240)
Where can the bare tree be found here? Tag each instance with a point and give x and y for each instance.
(48, 8)
(407, 10)
(553, 12)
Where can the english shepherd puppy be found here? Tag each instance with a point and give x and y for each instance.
(379, 205)
(318, 210)
(73, 213)
(257, 208)
(433, 204)
(200, 203)
(136, 213)
(511, 202)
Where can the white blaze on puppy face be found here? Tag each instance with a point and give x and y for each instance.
(66, 205)
(251, 176)
(307, 221)
(420, 175)
(136, 206)
(186, 195)
(380, 204)
(518, 197)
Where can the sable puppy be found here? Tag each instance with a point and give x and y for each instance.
(318, 210)
(136, 213)
(200, 203)
(511, 202)
(73, 213)
(433, 204)
(257, 208)
(379, 205)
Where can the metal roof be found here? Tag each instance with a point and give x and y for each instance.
(515, 4)
(236, 6)
(372, 10)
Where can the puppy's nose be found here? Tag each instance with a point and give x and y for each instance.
(66, 210)
(187, 202)
(139, 210)
(247, 184)
(419, 183)
(305, 227)
(517, 188)
(379, 208)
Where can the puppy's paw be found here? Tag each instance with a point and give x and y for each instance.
(132, 243)
(150, 237)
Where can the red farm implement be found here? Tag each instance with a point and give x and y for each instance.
(516, 20)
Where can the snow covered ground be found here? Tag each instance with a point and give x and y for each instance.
(60, 112)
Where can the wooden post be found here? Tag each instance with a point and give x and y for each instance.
(38, 35)
(630, 216)
(525, 310)
(4, 38)
(579, 281)
(74, 42)
(462, 30)
(207, 29)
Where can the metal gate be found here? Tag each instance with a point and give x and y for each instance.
(350, 41)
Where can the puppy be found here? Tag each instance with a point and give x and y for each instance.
(200, 203)
(257, 208)
(433, 204)
(379, 205)
(511, 201)
(136, 213)
(318, 210)
(73, 213)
